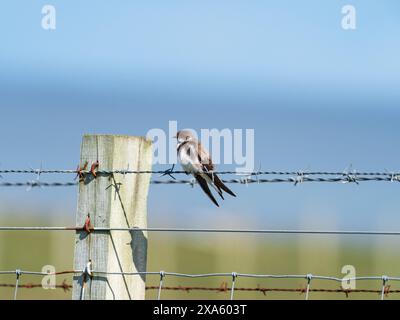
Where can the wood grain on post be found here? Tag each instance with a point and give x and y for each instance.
(113, 201)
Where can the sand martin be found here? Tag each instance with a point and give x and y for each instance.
(196, 160)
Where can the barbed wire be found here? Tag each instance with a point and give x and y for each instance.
(223, 288)
(169, 171)
(247, 177)
(38, 184)
(192, 182)
(384, 291)
(264, 290)
(293, 180)
(64, 285)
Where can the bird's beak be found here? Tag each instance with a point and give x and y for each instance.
(175, 137)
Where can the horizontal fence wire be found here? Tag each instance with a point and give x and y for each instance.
(204, 230)
(383, 291)
(223, 288)
(172, 172)
(21, 272)
(242, 181)
(246, 177)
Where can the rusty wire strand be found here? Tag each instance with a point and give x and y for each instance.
(64, 285)
(224, 288)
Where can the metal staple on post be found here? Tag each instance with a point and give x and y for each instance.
(234, 277)
(162, 276)
(385, 279)
(86, 275)
(18, 275)
(309, 278)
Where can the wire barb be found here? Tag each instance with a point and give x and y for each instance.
(350, 176)
(169, 172)
(299, 178)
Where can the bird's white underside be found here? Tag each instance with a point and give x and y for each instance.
(193, 166)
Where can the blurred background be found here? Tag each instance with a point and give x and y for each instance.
(318, 97)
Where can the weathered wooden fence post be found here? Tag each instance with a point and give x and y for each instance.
(113, 201)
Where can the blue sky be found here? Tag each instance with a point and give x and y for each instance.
(317, 96)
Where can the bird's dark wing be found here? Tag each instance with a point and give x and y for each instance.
(203, 184)
(220, 185)
(208, 167)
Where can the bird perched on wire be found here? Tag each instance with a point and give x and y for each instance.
(196, 160)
